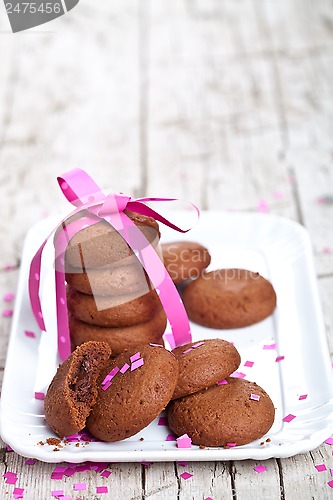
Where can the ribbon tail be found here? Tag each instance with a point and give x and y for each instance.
(165, 288)
(64, 344)
(34, 283)
(142, 209)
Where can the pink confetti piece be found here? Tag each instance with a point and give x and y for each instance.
(182, 464)
(321, 467)
(231, 445)
(102, 489)
(18, 492)
(8, 297)
(80, 486)
(72, 439)
(99, 466)
(135, 357)
(9, 474)
(11, 480)
(147, 464)
(124, 368)
(40, 396)
(329, 440)
(249, 364)
(255, 397)
(303, 396)
(208, 498)
(137, 364)
(66, 497)
(268, 347)
(187, 350)
(69, 471)
(289, 418)
(330, 483)
(29, 334)
(331, 472)
(262, 206)
(30, 461)
(57, 475)
(184, 441)
(279, 358)
(326, 250)
(238, 375)
(260, 468)
(8, 448)
(110, 375)
(156, 345)
(186, 475)
(57, 493)
(278, 195)
(107, 385)
(106, 473)
(9, 267)
(162, 421)
(7, 313)
(170, 437)
(194, 346)
(222, 382)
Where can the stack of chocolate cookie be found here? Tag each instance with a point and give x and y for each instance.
(109, 295)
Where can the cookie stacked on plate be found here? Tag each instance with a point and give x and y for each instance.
(109, 295)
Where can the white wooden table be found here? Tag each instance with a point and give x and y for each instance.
(228, 104)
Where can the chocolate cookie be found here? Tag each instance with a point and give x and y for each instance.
(185, 259)
(135, 396)
(229, 298)
(73, 390)
(203, 363)
(113, 311)
(109, 280)
(101, 244)
(223, 414)
(121, 338)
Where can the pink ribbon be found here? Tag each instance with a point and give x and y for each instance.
(80, 190)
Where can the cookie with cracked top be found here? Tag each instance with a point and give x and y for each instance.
(223, 414)
(201, 366)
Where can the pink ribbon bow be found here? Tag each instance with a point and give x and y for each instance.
(80, 190)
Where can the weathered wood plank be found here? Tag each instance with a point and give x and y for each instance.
(301, 478)
(8, 282)
(314, 180)
(88, 118)
(250, 484)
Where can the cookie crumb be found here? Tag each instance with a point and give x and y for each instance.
(53, 441)
(268, 440)
(41, 443)
(262, 443)
(142, 439)
(202, 447)
(55, 449)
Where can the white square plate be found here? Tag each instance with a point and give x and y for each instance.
(279, 250)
